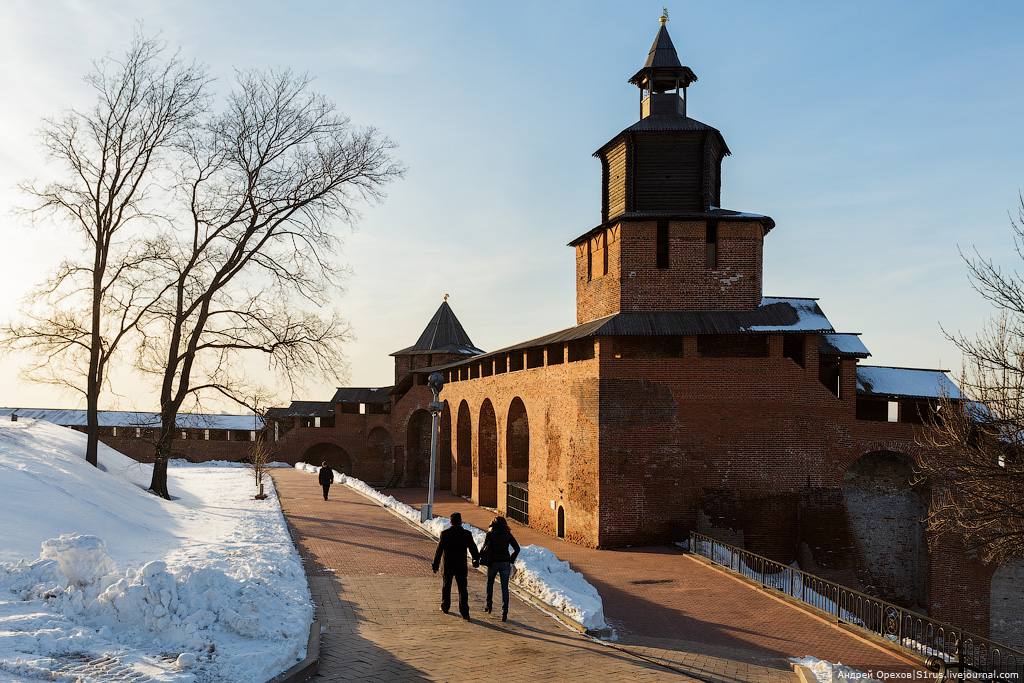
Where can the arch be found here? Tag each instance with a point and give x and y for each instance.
(1006, 600)
(417, 448)
(886, 516)
(444, 453)
(560, 527)
(517, 442)
(464, 446)
(517, 462)
(485, 467)
(335, 456)
(380, 457)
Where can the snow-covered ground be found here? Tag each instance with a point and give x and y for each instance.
(830, 672)
(206, 587)
(538, 570)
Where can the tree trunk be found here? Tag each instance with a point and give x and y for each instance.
(158, 484)
(93, 383)
(92, 429)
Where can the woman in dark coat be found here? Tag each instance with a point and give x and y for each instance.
(495, 554)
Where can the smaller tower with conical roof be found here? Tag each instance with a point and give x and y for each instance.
(443, 340)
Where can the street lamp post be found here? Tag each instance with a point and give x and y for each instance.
(436, 383)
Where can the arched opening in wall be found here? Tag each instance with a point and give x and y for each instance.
(561, 522)
(1006, 606)
(334, 455)
(517, 450)
(417, 449)
(464, 446)
(444, 451)
(886, 516)
(486, 469)
(380, 457)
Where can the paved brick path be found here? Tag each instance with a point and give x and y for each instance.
(377, 600)
(660, 598)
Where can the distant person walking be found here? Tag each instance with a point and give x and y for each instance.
(452, 545)
(326, 477)
(495, 556)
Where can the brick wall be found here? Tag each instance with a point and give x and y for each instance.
(635, 283)
(382, 449)
(195, 450)
(561, 409)
(1007, 604)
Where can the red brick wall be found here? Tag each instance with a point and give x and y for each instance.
(561, 407)
(635, 283)
(377, 445)
(195, 450)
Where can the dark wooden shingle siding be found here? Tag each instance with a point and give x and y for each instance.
(668, 172)
(616, 188)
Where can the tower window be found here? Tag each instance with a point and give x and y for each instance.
(711, 244)
(662, 244)
(597, 255)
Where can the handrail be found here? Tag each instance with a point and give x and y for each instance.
(945, 646)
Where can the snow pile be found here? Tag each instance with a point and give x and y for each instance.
(179, 462)
(205, 587)
(538, 570)
(829, 672)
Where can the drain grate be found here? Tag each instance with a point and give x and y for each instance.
(88, 668)
(648, 582)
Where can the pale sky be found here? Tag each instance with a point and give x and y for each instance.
(880, 136)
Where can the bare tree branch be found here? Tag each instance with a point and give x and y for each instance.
(977, 464)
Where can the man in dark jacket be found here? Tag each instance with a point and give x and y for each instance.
(453, 544)
(326, 477)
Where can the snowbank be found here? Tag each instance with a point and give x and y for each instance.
(538, 570)
(205, 587)
(829, 672)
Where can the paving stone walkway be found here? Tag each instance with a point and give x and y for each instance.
(377, 600)
(661, 598)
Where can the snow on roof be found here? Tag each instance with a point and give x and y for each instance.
(905, 382)
(809, 318)
(844, 344)
(132, 418)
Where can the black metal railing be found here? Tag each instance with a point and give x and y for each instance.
(517, 501)
(944, 646)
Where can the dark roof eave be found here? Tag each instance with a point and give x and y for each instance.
(638, 129)
(660, 323)
(767, 221)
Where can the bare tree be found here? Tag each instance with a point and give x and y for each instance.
(111, 155)
(259, 457)
(264, 184)
(977, 466)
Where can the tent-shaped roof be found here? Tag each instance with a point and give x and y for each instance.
(663, 67)
(443, 334)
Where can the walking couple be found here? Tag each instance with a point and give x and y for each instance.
(455, 542)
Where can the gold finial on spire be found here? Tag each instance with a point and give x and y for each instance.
(663, 19)
(446, 296)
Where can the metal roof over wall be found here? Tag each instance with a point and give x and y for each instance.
(892, 382)
(362, 395)
(130, 418)
(774, 315)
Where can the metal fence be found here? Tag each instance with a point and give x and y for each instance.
(943, 646)
(518, 501)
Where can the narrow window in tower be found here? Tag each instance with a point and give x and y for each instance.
(599, 252)
(711, 243)
(604, 253)
(662, 244)
(590, 262)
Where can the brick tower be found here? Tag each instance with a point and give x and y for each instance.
(443, 340)
(664, 243)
